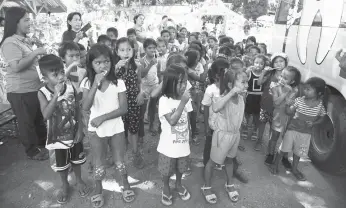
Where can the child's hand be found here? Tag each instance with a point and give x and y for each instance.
(99, 78)
(75, 64)
(186, 97)
(58, 88)
(121, 64)
(140, 99)
(138, 63)
(80, 35)
(40, 51)
(237, 90)
(96, 122)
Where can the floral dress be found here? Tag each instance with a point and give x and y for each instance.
(131, 119)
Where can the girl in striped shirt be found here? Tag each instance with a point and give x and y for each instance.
(309, 110)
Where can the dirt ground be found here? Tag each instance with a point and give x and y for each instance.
(26, 183)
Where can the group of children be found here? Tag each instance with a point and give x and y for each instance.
(101, 95)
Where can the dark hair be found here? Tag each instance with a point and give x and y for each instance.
(12, 18)
(205, 33)
(272, 63)
(182, 29)
(50, 63)
(248, 48)
(213, 38)
(224, 40)
(136, 17)
(94, 52)
(81, 47)
(297, 75)
(149, 41)
(192, 56)
(160, 40)
(194, 34)
(264, 58)
(251, 38)
(171, 27)
(175, 58)
(221, 36)
(217, 69)
(131, 31)
(103, 38)
(164, 16)
(173, 75)
(225, 50)
(229, 77)
(321, 89)
(67, 45)
(264, 46)
(132, 63)
(113, 30)
(240, 48)
(164, 31)
(70, 17)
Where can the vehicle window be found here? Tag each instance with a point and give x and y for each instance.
(289, 12)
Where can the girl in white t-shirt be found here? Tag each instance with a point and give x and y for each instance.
(174, 148)
(105, 96)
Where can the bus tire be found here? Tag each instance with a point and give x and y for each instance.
(328, 140)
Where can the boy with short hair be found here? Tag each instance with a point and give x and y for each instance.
(112, 33)
(70, 53)
(105, 40)
(165, 35)
(182, 45)
(162, 48)
(212, 47)
(132, 36)
(204, 36)
(60, 107)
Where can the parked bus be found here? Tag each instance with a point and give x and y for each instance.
(311, 32)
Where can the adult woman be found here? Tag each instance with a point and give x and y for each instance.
(74, 24)
(22, 82)
(139, 21)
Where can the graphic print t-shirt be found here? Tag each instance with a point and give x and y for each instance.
(174, 140)
(62, 125)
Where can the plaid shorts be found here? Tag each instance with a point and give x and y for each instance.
(168, 166)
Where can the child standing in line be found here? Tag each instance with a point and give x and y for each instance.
(284, 91)
(150, 81)
(60, 107)
(309, 111)
(165, 35)
(253, 98)
(212, 47)
(269, 75)
(105, 40)
(226, 122)
(127, 69)
(182, 45)
(173, 146)
(162, 49)
(138, 46)
(105, 96)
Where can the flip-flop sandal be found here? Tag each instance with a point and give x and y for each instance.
(165, 200)
(97, 198)
(83, 192)
(185, 195)
(299, 175)
(211, 198)
(128, 195)
(61, 195)
(234, 195)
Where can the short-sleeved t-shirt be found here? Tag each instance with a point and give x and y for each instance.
(15, 48)
(210, 94)
(76, 77)
(304, 114)
(174, 140)
(104, 103)
(69, 35)
(151, 78)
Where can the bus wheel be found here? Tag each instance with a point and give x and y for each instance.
(328, 141)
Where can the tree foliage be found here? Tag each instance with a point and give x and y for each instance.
(255, 8)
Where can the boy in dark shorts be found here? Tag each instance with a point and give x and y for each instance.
(60, 108)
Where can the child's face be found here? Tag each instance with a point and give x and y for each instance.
(279, 63)
(184, 31)
(192, 38)
(111, 35)
(181, 86)
(125, 51)
(181, 39)
(259, 64)
(107, 43)
(166, 37)
(150, 50)
(286, 77)
(83, 58)
(211, 42)
(203, 37)
(309, 92)
(132, 37)
(76, 22)
(253, 52)
(71, 56)
(161, 48)
(262, 48)
(53, 78)
(249, 42)
(172, 33)
(241, 82)
(101, 64)
(236, 66)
